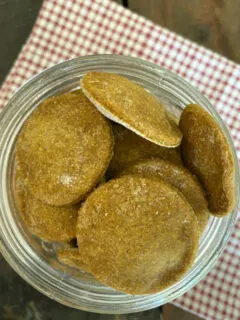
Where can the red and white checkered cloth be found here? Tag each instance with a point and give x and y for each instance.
(70, 28)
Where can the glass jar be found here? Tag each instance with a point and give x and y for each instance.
(35, 260)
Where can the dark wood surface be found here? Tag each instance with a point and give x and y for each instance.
(16, 20)
(214, 24)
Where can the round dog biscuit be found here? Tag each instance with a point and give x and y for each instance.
(206, 153)
(129, 104)
(137, 235)
(65, 147)
(48, 222)
(130, 147)
(180, 178)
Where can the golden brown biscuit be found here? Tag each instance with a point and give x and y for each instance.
(45, 221)
(129, 104)
(72, 258)
(206, 152)
(137, 235)
(65, 146)
(180, 178)
(130, 147)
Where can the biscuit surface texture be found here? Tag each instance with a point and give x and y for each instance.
(206, 153)
(47, 222)
(137, 235)
(65, 147)
(131, 105)
(130, 147)
(180, 178)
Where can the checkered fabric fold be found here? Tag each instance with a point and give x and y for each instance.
(71, 28)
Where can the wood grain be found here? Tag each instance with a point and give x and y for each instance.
(214, 24)
(171, 312)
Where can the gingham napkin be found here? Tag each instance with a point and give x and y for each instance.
(66, 29)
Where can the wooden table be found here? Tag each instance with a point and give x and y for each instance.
(214, 24)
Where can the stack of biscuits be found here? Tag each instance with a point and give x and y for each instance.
(108, 165)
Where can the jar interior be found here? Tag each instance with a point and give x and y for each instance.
(47, 250)
(40, 256)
